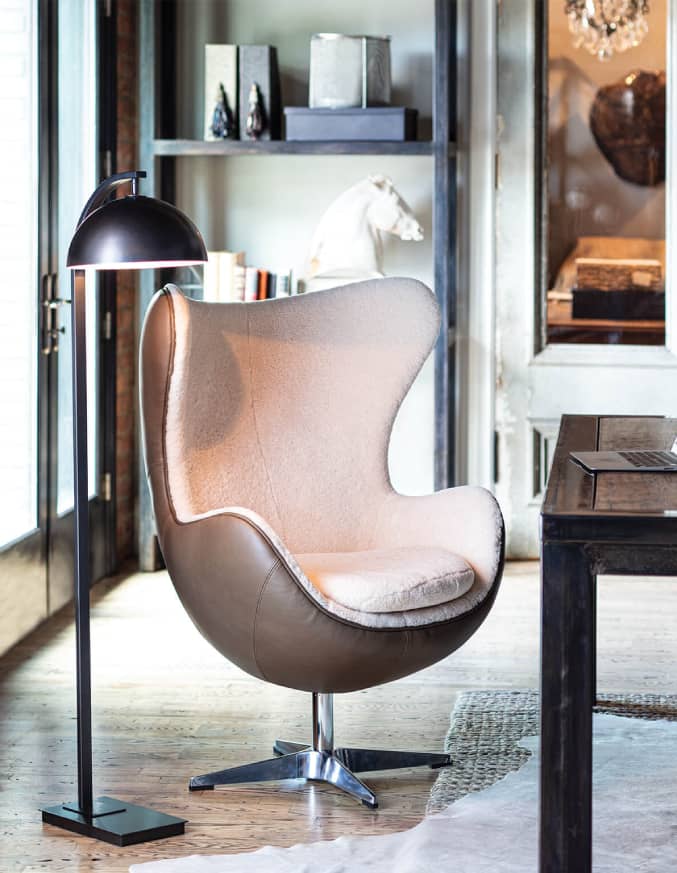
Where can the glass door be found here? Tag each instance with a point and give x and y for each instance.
(23, 592)
(76, 178)
(48, 168)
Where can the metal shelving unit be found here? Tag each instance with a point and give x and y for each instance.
(160, 149)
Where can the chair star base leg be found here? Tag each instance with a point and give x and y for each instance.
(283, 747)
(366, 760)
(321, 762)
(305, 764)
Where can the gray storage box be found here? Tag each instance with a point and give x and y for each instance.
(388, 123)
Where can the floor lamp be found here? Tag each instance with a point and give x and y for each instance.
(128, 233)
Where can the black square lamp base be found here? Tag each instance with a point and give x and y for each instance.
(115, 821)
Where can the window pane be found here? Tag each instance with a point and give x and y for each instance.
(18, 251)
(606, 176)
(77, 179)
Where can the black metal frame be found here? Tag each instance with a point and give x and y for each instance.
(107, 280)
(541, 206)
(159, 150)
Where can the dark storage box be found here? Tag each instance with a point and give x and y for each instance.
(379, 123)
(626, 305)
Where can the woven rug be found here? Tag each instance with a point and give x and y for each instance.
(487, 726)
(493, 826)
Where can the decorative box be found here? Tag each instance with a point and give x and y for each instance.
(220, 69)
(258, 66)
(348, 71)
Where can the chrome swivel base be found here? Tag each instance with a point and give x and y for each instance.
(321, 762)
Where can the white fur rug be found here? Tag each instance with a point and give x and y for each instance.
(495, 830)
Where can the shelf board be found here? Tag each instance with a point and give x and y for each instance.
(221, 148)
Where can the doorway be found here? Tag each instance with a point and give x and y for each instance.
(585, 310)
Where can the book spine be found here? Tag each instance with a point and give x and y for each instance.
(282, 285)
(251, 284)
(210, 277)
(263, 284)
(238, 283)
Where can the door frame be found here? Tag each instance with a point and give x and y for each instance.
(477, 232)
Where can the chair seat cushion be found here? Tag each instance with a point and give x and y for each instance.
(389, 580)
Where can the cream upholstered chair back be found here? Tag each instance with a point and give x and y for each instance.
(286, 407)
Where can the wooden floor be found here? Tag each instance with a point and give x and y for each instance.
(167, 706)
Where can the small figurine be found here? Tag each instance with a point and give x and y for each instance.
(223, 125)
(255, 121)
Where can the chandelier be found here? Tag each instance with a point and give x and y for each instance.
(607, 26)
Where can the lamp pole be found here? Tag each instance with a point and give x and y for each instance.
(105, 818)
(82, 560)
(85, 804)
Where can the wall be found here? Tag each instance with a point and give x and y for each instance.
(269, 206)
(586, 196)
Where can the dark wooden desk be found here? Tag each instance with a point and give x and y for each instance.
(623, 523)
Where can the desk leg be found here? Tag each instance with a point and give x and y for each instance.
(567, 658)
(593, 665)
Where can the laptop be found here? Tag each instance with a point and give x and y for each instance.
(629, 460)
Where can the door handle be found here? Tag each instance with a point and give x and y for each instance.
(50, 306)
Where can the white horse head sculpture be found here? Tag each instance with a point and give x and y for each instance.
(347, 242)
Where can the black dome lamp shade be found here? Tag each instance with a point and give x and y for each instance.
(132, 232)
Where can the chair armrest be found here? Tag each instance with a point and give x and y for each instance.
(465, 520)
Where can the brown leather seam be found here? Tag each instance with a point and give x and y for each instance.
(165, 408)
(337, 618)
(276, 564)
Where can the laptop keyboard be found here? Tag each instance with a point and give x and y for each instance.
(650, 459)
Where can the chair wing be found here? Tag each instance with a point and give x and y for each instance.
(283, 406)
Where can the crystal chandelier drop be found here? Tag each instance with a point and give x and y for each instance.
(607, 26)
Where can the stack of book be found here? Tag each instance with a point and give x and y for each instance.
(227, 279)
